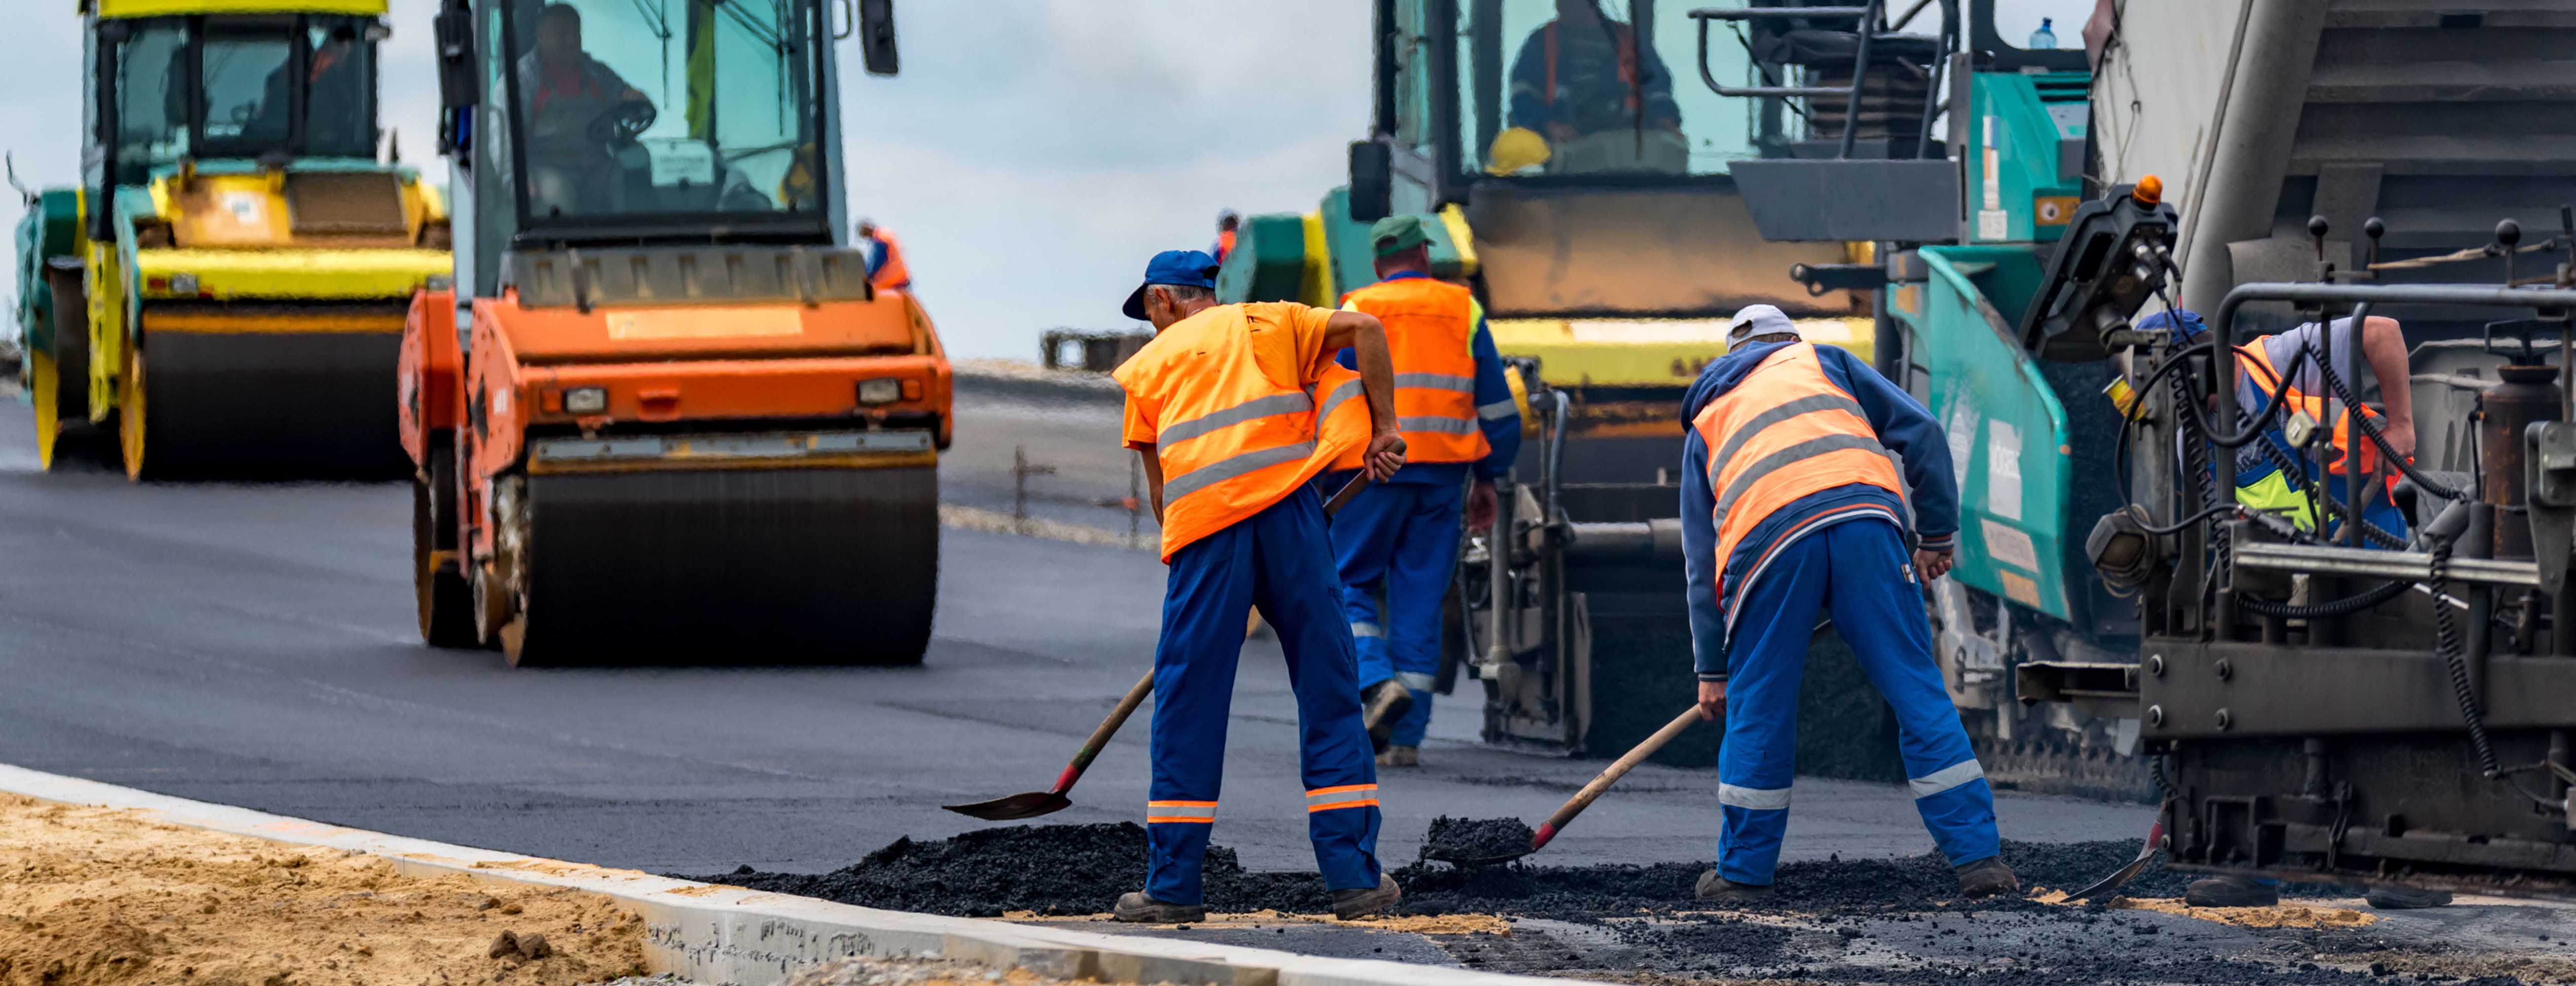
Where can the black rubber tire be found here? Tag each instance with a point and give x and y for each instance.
(445, 601)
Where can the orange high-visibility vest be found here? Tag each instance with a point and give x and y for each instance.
(891, 273)
(1236, 416)
(1430, 328)
(1784, 432)
(2255, 361)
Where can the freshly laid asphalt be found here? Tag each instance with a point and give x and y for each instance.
(254, 645)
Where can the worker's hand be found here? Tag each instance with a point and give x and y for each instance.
(1481, 505)
(1385, 456)
(2401, 437)
(1933, 564)
(1712, 700)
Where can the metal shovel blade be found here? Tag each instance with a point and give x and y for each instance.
(2121, 877)
(1016, 807)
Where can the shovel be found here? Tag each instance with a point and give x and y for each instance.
(1582, 799)
(2121, 877)
(1031, 804)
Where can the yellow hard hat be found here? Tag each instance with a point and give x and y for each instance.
(1514, 149)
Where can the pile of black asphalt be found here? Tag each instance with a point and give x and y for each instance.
(1056, 870)
(1895, 921)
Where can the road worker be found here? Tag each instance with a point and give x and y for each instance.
(1791, 506)
(1398, 541)
(2379, 344)
(885, 258)
(2262, 370)
(1234, 409)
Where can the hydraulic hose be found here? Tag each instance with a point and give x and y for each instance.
(2455, 660)
(2345, 606)
(2422, 481)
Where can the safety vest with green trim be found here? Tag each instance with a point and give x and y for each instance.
(2264, 487)
(1782, 433)
(1236, 425)
(1430, 333)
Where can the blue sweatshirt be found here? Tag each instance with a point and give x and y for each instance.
(1496, 415)
(1903, 426)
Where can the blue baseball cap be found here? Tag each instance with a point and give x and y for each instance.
(2184, 323)
(1188, 268)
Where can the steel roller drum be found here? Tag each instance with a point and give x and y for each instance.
(731, 566)
(272, 404)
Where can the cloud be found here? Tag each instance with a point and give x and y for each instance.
(1031, 156)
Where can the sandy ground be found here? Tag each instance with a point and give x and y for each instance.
(102, 896)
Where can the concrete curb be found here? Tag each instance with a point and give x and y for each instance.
(728, 935)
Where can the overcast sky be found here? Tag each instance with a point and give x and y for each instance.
(1032, 155)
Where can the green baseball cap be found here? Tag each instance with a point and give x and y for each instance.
(1398, 233)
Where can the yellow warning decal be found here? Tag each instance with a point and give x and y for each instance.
(704, 323)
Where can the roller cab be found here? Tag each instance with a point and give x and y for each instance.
(665, 416)
(225, 292)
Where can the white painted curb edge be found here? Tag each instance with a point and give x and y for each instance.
(727, 935)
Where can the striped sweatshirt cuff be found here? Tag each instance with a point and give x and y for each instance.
(1943, 542)
(1716, 676)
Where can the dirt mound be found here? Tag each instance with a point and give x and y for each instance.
(100, 896)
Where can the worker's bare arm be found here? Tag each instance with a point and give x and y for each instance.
(1153, 479)
(1366, 338)
(2383, 343)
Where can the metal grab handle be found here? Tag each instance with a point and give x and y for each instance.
(849, 22)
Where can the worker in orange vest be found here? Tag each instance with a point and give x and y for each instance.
(1227, 225)
(1234, 408)
(1790, 507)
(1398, 541)
(885, 258)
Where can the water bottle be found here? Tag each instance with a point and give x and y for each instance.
(2042, 39)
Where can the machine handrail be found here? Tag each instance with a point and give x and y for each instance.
(1867, 18)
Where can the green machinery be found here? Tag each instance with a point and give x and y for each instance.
(226, 285)
(1612, 213)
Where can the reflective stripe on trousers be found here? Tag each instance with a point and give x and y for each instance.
(1195, 812)
(1343, 796)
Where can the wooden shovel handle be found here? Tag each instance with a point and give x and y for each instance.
(1108, 727)
(1610, 775)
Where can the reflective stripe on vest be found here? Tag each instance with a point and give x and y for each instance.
(1430, 337)
(1231, 440)
(1784, 432)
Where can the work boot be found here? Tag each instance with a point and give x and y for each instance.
(2230, 891)
(1713, 887)
(1360, 903)
(1141, 908)
(1987, 877)
(2405, 898)
(1400, 756)
(1380, 708)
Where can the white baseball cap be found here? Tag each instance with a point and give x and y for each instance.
(1758, 320)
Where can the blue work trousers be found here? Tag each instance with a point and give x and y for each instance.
(1862, 574)
(1398, 542)
(1280, 561)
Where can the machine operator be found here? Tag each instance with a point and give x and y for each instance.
(1587, 84)
(1398, 540)
(1235, 408)
(568, 92)
(1790, 506)
(2261, 485)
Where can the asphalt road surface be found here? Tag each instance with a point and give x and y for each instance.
(254, 645)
